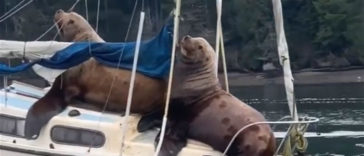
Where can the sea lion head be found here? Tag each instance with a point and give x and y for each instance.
(195, 69)
(71, 24)
(195, 50)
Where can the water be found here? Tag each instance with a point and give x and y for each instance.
(340, 108)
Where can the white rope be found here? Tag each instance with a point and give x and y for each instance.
(310, 120)
(284, 57)
(283, 139)
(74, 5)
(97, 16)
(12, 9)
(17, 10)
(169, 87)
(86, 8)
(132, 81)
(218, 27)
(226, 80)
(48, 30)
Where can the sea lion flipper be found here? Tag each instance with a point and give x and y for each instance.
(44, 109)
(39, 115)
(174, 140)
(150, 120)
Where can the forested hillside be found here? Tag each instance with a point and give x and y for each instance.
(320, 33)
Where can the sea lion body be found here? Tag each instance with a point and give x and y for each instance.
(91, 82)
(202, 110)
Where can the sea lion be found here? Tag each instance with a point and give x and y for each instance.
(203, 111)
(91, 82)
(73, 27)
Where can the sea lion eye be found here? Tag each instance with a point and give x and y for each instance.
(70, 22)
(200, 47)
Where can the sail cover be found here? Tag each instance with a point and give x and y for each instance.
(154, 55)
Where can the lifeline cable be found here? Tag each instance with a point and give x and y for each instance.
(310, 120)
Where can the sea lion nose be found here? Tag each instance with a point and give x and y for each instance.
(59, 11)
(186, 37)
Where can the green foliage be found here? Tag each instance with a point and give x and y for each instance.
(251, 24)
(315, 29)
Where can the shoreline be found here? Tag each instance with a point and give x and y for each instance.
(251, 79)
(301, 78)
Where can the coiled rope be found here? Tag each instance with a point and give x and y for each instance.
(308, 120)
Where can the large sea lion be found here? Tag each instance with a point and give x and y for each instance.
(203, 111)
(91, 82)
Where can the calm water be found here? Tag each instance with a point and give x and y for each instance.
(340, 108)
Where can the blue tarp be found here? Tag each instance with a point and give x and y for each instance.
(154, 55)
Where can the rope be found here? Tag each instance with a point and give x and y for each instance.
(308, 121)
(218, 28)
(86, 8)
(166, 108)
(283, 140)
(5, 80)
(97, 16)
(1, 17)
(74, 5)
(295, 137)
(132, 80)
(226, 80)
(17, 10)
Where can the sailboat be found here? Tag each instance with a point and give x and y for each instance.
(80, 131)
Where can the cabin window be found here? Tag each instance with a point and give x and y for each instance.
(11, 125)
(77, 136)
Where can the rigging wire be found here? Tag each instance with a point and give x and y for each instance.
(218, 27)
(226, 80)
(74, 5)
(132, 81)
(168, 96)
(92, 72)
(15, 11)
(86, 8)
(97, 16)
(12, 9)
(121, 54)
(118, 66)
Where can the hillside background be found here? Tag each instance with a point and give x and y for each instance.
(321, 34)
